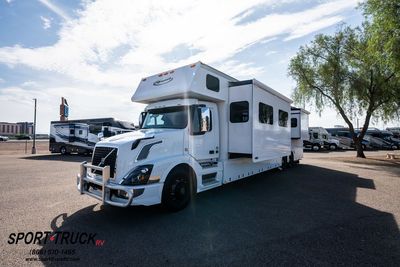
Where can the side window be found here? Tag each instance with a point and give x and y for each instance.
(293, 122)
(315, 135)
(283, 118)
(71, 131)
(212, 83)
(80, 132)
(265, 113)
(239, 112)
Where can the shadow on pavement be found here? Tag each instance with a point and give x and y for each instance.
(306, 215)
(59, 157)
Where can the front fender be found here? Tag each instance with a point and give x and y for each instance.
(163, 167)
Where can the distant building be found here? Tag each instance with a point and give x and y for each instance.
(9, 128)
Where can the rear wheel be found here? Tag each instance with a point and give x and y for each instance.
(332, 146)
(316, 147)
(63, 150)
(177, 191)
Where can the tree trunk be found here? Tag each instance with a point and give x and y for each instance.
(359, 148)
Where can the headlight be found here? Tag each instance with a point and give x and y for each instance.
(138, 176)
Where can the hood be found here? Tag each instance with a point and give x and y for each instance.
(169, 143)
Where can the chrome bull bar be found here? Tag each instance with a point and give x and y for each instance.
(83, 179)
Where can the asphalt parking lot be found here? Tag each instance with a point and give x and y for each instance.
(329, 210)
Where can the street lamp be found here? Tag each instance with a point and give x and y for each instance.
(34, 130)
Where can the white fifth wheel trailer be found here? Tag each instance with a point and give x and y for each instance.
(200, 129)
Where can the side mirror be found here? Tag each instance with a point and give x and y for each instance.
(142, 116)
(205, 119)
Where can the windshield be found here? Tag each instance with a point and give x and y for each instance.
(170, 117)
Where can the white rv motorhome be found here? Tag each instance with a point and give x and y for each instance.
(200, 129)
(320, 135)
(80, 136)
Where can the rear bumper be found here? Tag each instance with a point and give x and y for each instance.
(111, 193)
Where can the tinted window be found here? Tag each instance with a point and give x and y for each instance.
(212, 83)
(315, 135)
(293, 122)
(265, 113)
(239, 112)
(283, 118)
(95, 128)
(169, 117)
(72, 131)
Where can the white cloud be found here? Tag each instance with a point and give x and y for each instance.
(148, 30)
(271, 52)
(46, 22)
(103, 52)
(29, 84)
(55, 9)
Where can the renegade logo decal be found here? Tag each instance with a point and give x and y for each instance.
(161, 82)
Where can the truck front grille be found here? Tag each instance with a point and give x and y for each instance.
(103, 156)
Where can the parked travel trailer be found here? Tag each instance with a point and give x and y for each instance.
(80, 136)
(201, 129)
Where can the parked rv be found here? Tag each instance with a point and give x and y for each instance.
(395, 131)
(321, 136)
(346, 138)
(201, 129)
(389, 140)
(80, 136)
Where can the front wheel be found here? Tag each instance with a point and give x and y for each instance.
(177, 191)
(332, 147)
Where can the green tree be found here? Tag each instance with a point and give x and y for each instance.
(383, 17)
(346, 72)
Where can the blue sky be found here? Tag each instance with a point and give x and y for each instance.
(94, 53)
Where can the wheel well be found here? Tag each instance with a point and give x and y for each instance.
(188, 169)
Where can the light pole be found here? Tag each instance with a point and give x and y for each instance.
(34, 130)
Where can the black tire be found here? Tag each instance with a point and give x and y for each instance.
(316, 147)
(332, 147)
(285, 163)
(63, 150)
(291, 160)
(177, 191)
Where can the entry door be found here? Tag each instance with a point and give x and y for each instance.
(71, 136)
(205, 145)
(81, 133)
